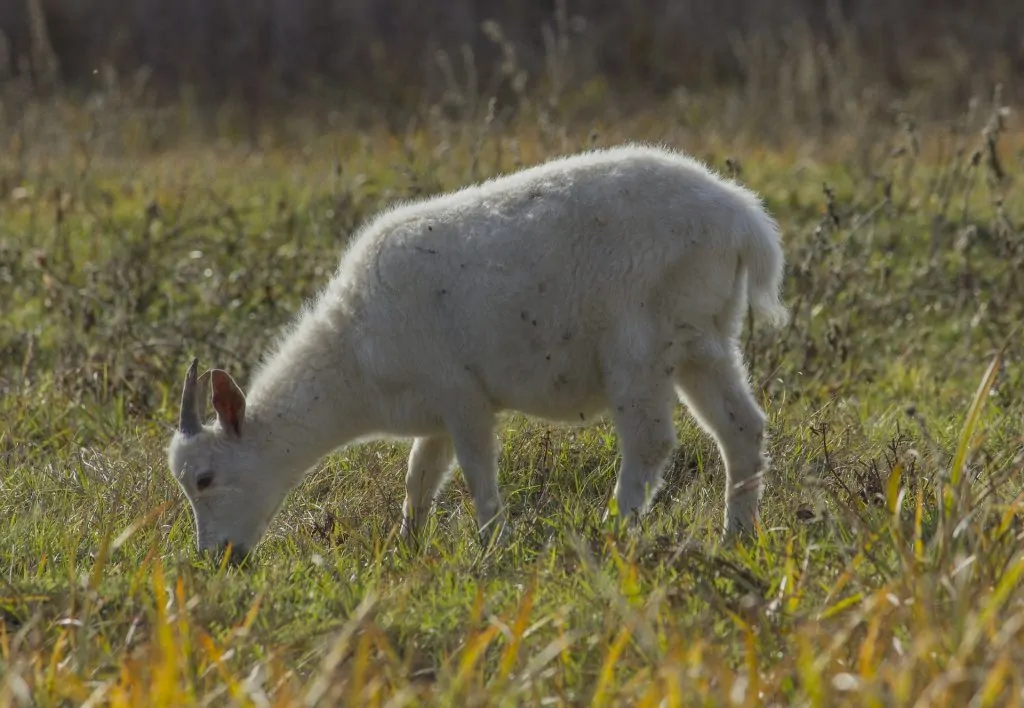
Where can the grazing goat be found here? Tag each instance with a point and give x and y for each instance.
(614, 280)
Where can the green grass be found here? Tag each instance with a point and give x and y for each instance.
(887, 571)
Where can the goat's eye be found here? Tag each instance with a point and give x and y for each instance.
(204, 480)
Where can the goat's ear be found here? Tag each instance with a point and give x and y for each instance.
(228, 401)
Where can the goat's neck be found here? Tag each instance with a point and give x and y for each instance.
(303, 404)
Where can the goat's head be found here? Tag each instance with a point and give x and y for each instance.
(220, 467)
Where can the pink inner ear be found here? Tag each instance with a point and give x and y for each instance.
(228, 400)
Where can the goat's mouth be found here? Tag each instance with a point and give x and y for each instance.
(236, 555)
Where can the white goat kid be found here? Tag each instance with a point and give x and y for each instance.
(612, 280)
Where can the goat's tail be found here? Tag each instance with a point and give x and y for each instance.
(761, 253)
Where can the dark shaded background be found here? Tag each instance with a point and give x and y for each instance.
(263, 51)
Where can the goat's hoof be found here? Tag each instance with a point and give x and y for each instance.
(410, 536)
(621, 524)
(494, 535)
(737, 533)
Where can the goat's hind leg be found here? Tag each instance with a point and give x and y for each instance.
(430, 463)
(721, 400)
(647, 436)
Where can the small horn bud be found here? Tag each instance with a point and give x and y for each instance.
(188, 417)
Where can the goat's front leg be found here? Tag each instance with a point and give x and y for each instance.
(430, 462)
(472, 433)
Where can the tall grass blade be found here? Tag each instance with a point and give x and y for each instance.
(971, 421)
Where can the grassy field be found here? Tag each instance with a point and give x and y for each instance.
(887, 572)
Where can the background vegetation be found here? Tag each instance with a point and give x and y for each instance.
(261, 50)
(176, 190)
